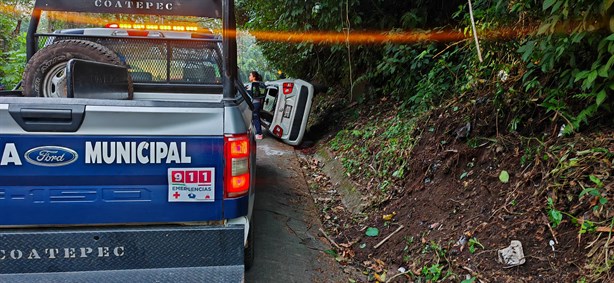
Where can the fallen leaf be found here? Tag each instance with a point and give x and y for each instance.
(462, 176)
(388, 217)
(372, 232)
(504, 177)
(380, 278)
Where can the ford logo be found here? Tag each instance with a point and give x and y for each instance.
(51, 156)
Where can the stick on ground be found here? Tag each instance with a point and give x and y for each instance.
(329, 239)
(386, 239)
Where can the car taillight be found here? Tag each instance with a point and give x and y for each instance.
(287, 88)
(278, 131)
(236, 173)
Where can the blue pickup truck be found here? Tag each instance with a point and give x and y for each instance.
(127, 153)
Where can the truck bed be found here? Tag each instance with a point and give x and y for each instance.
(110, 175)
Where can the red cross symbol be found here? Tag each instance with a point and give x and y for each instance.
(176, 195)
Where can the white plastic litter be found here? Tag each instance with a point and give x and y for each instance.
(512, 255)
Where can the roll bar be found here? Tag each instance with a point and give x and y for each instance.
(223, 9)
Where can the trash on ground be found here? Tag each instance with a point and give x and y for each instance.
(512, 255)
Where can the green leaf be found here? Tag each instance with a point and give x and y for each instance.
(398, 173)
(543, 28)
(547, 4)
(596, 180)
(555, 217)
(332, 253)
(372, 232)
(504, 177)
(603, 71)
(587, 226)
(609, 64)
(592, 75)
(472, 249)
(590, 191)
(470, 280)
(556, 7)
(527, 50)
(601, 96)
(462, 176)
(580, 75)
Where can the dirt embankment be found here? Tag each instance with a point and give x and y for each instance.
(470, 190)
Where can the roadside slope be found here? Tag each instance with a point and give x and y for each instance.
(467, 188)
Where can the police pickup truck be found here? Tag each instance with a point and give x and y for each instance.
(128, 154)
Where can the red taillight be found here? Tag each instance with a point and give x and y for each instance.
(278, 131)
(237, 173)
(287, 88)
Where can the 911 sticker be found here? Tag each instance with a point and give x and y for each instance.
(191, 184)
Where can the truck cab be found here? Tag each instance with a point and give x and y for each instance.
(129, 154)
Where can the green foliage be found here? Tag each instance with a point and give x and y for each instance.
(575, 54)
(250, 58)
(595, 192)
(554, 215)
(473, 244)
(432, 272)
(587, 227)
(12, 40)
(533, 148)
(13, 63)
(313, 60)
(427, 80)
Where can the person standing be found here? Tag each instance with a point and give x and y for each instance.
(257, 101)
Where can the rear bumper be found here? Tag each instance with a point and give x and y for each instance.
(143, 254)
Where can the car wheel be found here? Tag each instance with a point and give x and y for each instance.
(45, 73)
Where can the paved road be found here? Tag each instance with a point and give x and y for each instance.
(287, 245)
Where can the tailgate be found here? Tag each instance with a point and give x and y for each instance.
(128, 164)
(146, 254)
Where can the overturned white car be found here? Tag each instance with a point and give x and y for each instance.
(285, 107)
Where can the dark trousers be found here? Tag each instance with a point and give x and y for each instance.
(256, 115)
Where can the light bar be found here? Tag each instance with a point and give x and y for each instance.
(152, 27)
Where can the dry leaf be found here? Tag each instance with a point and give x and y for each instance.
(388, 217)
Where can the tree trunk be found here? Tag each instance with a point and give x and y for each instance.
(15, 32)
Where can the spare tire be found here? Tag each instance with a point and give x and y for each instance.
(45, 73)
